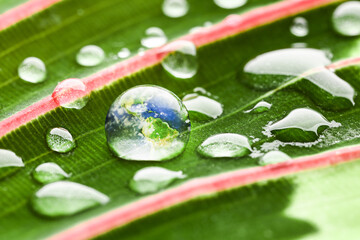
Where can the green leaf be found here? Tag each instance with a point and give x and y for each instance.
(108, 22)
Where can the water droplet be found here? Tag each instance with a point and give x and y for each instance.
(299, 45)
(181, 61)
(141, 51)
(124, 53)
(49, 172)
(155, 37)
(60, 140)
(175, 8)
(225, 145)
(66, 198)
(10, 159)
(153, 179)
(346, 19)
(90, 56)
(299, 28)
(273, 157)
(203, 105)
(147, 123)
(199, 28)
(260, 107)
(301, 125)
(32, 70)
(70, 93)
(230, 4)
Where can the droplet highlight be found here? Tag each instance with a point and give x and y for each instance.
(273, 157)
(49, 172)
(124, 53)
(147, 123)
(60, 140)
(202, 107)
(260, 107)
(175, 8)
(225, 145)
(230, 4)
(346, 19)
(32, 70)
(71, 93)
(153, 179)
(155, 37)
(299, 27)
(9, 159)
(90, 56)
(66, 198)
(181, 61)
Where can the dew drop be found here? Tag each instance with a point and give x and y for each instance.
(49, 172)
(230, 4)
(299, 28)
(32, 70)
(202, 105)
(60, 140)
(155, 37)
(147, 123)
(181, 61)
(346, 19)
(227, 145)
(141, 51)
(300, 125)
(260, 107)
(175, 8)
(90, 56)
(124, 53)
(66, 198)
(273, 157)
(9, 159)
(153, 179)
(70, 93)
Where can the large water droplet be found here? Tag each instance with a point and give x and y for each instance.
(153, 179)
(49, 172)
(147, 123)
(124, 53)
(346, 19)
(260, 107)
(60, 140)
(202, 105)
(225, 145)
(32, 70)
(70, 93)
(66, 198)
(90, 56)
(273, 157)
(155, 37)
(299, 28)
(175, 8)
(181, 61)
(230, 4)
(301, 125)
(10, 159)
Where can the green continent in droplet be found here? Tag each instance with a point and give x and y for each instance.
(158, 131)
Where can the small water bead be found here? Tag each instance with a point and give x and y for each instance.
(32, 70)
(124, 53)
(299, 45)
(147, 123)
(260, 107)
(49, 172)
(346, 19)
(70, 93)
(203, 105)
(273, 157)
(141, 51)
(66, 198)
(181, 61)
(60, 140)
(230, 4)
(225, 145)
(299, 28)
(9, 159)
(90, 56)
(155, 37)
(175, 8)
(302, 125)
(153, 179)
